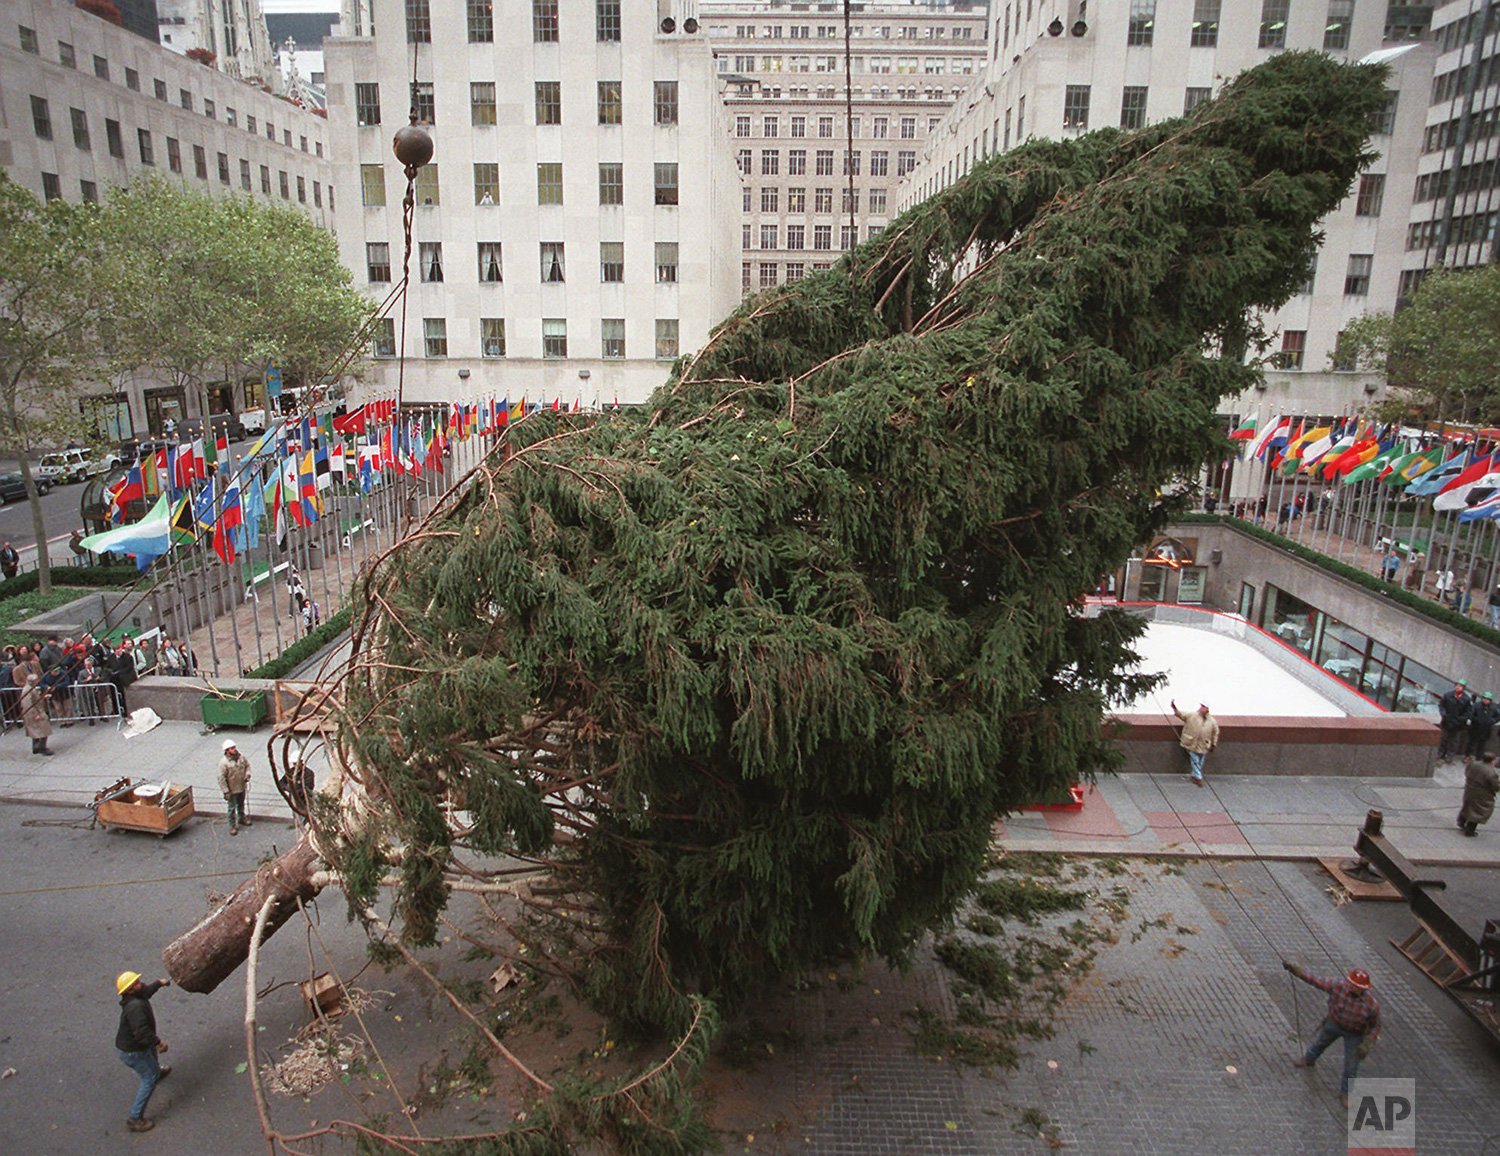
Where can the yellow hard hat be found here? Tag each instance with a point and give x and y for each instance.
(124, 981)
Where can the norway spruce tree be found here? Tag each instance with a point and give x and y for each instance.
(754, 670)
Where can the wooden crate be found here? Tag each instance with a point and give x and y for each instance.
(150, 813)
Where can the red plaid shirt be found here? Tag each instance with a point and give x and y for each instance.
(1349, 1008)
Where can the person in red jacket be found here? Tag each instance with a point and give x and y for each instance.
(1353, 1015)
(138, 1043)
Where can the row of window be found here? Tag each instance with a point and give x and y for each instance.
(1469, 229)
(765, 274)
(549, 184)
(858, 65)
(479, 19)
(114, 139)
(491, 266)
(829, 128)
(796, 162)
(796, 237)
(796, 201)
(1078, 97)
(857, 31)
(483, 109)
(492, 342)
(68, 58)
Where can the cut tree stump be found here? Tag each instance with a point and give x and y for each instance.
(202, 958)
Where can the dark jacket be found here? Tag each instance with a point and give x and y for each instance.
(1483, 718)
(121, 669)
(1454, 710)
(137, 1021)
(1481, 784)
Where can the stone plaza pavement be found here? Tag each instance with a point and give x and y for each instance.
(1179, 1040)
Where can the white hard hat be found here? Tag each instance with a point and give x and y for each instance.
(229, 745)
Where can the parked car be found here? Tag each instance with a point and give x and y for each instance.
(63, 466)
(253, 421)
(13, 489)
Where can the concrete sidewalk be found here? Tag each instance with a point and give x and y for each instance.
(1259, 817)
(1233, 816)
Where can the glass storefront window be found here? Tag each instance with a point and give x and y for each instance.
(1289, 619)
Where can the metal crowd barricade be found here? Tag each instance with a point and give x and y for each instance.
(94, 702)
(10, 706)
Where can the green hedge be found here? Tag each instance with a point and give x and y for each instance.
(118, 576)
(1421, 605)
(304, 648)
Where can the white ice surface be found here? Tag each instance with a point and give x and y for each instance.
(1233, 678)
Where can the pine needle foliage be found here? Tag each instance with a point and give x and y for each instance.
(757, 668)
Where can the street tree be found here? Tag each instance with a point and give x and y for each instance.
(1438, 353)
(748, 676)
(52, 309)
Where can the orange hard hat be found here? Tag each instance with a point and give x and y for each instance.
(1360, 978)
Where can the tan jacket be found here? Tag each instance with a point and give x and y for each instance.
(234, 773)
(1200, 733)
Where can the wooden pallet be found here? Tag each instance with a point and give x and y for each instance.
(303, 707)
(1437, 963)
(1359, 888)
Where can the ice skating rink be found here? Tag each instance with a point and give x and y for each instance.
(1232, 677)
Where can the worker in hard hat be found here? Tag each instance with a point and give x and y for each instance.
(1353, 1015)
(138, 1043)
(234, 779)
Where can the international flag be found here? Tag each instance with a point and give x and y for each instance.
(1244, 433)
(254, 499)
(322, 467)
(307, 490)
(502, 414)
(183, 474)
(184, 524)
(352, 422)
(231, 517)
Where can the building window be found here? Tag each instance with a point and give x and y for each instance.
(80, 129)
(174, 154)
(51, 187)
(666, 183)
(185, 98)
(745, 240)
(666, 262)
(549, 185)
(88, 192)
(666, 338)
(481, 15)
(612, 337)
(1133, 106)
(851, 163)
(1293, 346)
(799, 126)
(249, 123)
(822, 236)
(906, 161)
(742, 126)
(486, 183)
(489, 263)
(1193, 97)
(612, 261)
(1307, 286)
(492, 337)
(770, 199)
(286, 185)
(114, 139)
(796, 236)
(795, 270)
(317, 193)
(611, 183)
(1357, 278)
(224, 177)
(1384, 121)
(430, 260)
(554, 337)
(371, 183)
(1142, 22)
(65, 55)
(767, 274)
(435, 336)
(383, 337)
(822, 200)
(553, 263)
(877, 200)
(770, 162)
(367, 104)
(422, 100)
(1076, 107)
(41, 118)
(143, 139)
(200, 163)
(132, 80)
(1371, 195)
(745, 275)
(377, 261)
(770, 126)
(1273, 15)
(768, 236)
(848, 236)
(482, 102)
(29, 41)
(245, 175)
(418, 22)
(1336, 31)
(796, 200)
(101, 68)
(666, 102)
(544, 21)
(796, 162)
(610, 111)
(908, 128)
(607, 20)
(549, 102)
(427, 185)
(880, 163)
(1205, 32)
(265, 180)
(823, 163)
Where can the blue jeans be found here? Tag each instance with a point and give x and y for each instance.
(145, 1065)
(1195, 763)
(1329, 1032)
(235, 803)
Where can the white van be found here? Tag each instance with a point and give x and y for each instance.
(63, 466)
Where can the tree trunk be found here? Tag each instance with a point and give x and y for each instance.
(200, 959)
(38, 526)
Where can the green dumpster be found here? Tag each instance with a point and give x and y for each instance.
(234, 710)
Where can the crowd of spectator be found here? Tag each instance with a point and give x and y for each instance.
(84, 679)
